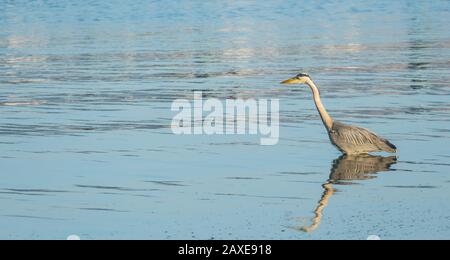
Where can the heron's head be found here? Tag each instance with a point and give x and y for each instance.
(299, 79)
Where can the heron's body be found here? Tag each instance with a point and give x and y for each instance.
(348, 139)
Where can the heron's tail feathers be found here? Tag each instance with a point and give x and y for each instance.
(390, 147)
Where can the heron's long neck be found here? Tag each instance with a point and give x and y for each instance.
(326, 119)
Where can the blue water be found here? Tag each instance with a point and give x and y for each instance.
(85, 95)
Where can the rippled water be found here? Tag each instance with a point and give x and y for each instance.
(85, 96)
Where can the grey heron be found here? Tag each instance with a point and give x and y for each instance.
(347, 138)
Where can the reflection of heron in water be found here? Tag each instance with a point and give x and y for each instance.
(349, 168)
(348, 139)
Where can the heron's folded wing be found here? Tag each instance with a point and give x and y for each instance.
(354, 135)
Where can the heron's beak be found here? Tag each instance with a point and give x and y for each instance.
(292, 81)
